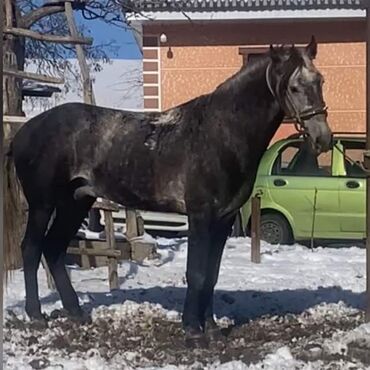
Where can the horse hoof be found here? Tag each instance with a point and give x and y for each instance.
(79, 317)
(195, 341)
(83, 318)
(58, 314)
(215, 334)
(39, 323)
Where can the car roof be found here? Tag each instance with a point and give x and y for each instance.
(337, 135)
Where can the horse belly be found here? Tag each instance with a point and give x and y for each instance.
(143, 188)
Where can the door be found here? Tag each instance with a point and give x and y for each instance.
(352, 194)
(302, 184)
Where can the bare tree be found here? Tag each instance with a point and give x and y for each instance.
(26, 19)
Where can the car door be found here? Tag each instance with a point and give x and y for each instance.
(352, 193)
(303, 186)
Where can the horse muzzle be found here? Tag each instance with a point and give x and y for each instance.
(320, 135)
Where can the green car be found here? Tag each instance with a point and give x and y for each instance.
(303, 195)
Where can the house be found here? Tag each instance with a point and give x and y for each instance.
(190, 47)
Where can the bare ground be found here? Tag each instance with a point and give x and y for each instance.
(153, 340)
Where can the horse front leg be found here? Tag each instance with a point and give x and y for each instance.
(219, 233)
(196, 271)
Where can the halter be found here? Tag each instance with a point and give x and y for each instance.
(298, 116)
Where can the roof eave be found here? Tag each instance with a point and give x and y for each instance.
(160, 16)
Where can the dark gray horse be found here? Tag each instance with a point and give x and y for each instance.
(199, 159)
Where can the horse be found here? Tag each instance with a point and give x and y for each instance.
(199, 159)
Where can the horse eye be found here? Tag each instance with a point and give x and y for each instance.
(294, 89)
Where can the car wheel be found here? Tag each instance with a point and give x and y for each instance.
(237, 229)
(275, 229)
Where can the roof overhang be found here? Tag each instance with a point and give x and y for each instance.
(253, 15)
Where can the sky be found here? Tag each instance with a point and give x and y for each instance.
(122, 38)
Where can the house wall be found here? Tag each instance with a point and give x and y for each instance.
(198, 57)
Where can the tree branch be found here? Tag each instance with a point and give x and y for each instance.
(48, 37)
(32, 17)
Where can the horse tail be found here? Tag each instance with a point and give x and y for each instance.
(13, 216)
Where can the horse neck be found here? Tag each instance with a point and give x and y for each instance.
(255, 114)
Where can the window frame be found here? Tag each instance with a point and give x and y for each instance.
(273, 171)
(343, 142)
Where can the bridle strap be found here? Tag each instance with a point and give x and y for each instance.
(294, 114)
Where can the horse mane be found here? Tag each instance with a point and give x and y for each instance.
(252, 71)
(291, 56)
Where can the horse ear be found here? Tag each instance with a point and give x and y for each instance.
(274, 54)
(311, 48)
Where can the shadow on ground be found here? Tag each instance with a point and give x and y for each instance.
(241, 306)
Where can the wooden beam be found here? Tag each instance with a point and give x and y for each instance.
(47, 37)
(106, 205)
(33, 76)
(15, 119)
(94, 252)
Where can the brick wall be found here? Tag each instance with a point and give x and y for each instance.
(198, 57)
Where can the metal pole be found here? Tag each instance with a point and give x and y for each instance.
(313, 220)
(367, 162)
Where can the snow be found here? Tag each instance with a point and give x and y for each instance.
(310, 286)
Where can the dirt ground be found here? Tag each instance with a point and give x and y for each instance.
(156, 341)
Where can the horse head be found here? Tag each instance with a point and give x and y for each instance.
(297, 85)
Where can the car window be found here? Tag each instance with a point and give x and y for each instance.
(353, 158)
(297, 159)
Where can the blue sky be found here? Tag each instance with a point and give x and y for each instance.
(122, 38)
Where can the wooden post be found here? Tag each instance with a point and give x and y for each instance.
(85, 260)
(367, 162)
(89, 97)
(131, 224)
(88, 92)
(255, 229)
(49, 277)
(140, 225)
(140, 249)
(111, 241)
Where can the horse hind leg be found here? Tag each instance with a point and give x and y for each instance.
(69, 217)
(38, 219)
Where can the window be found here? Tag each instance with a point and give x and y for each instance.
(250, 54)
(353, 158)
(297, 159)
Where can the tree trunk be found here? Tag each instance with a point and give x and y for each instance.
(14, 202)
